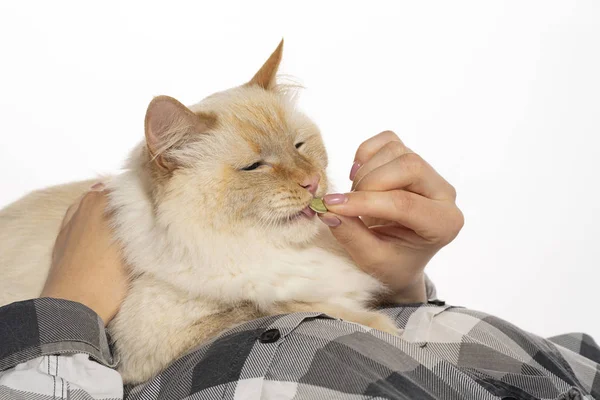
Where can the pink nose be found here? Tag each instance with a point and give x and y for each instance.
(311, 183)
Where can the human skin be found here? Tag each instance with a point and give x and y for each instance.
(399, 214)
(87, 266)
(407, 214)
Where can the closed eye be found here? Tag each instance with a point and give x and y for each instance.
(253, 166)
(299, 144)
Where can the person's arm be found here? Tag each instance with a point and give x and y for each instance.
(399, 214)
(56, 345)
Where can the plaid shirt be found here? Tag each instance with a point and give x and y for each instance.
(53, 349)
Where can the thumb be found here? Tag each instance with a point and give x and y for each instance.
(354, 236)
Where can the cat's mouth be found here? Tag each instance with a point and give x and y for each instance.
(306, 212)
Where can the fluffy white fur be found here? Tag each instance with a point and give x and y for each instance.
(202, 261)
(199, 272)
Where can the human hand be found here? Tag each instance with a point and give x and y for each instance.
(86, 261)
(400, 213)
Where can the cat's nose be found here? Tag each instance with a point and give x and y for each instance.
(311, 183)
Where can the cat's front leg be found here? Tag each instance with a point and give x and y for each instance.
(156, 326)
(372, 319)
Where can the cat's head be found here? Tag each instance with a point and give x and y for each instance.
(241, 159)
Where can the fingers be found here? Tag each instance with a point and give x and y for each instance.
(355, 237)
(89, 197)
(396, 232)
(378, 153)
(369, 147)
(94, 200)
(432, 220)
(409, 172)
(70, 212)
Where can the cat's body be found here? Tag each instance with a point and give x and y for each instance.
(28, 229)
(210, 244)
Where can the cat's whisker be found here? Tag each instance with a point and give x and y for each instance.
(178, 210)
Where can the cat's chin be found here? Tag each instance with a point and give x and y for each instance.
(298, 228)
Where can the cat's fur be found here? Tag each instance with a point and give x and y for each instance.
(209, 245)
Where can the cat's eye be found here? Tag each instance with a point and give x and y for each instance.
(299, 144)
(253, 166)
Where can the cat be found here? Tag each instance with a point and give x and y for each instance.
(211, 212)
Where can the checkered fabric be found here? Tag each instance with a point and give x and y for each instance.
(442, 352)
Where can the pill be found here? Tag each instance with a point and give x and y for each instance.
(317, 205)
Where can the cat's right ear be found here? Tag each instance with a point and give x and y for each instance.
(266, 75)
(168, 125)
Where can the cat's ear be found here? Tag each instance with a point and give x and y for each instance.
(168, 125)
(265, 77)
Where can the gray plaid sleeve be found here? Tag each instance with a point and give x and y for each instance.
(44, 326)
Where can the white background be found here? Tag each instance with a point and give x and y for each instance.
(502, 98)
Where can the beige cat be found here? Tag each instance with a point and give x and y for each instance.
(212, 214)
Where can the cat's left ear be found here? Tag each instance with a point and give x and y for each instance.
(169, 125)
(265, 77)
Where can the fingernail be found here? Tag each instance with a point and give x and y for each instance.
(330, 220)
(355, 168)
(332, 199)
(97, 186)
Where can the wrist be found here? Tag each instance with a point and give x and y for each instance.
(414, 292)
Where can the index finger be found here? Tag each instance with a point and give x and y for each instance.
(424, 216)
